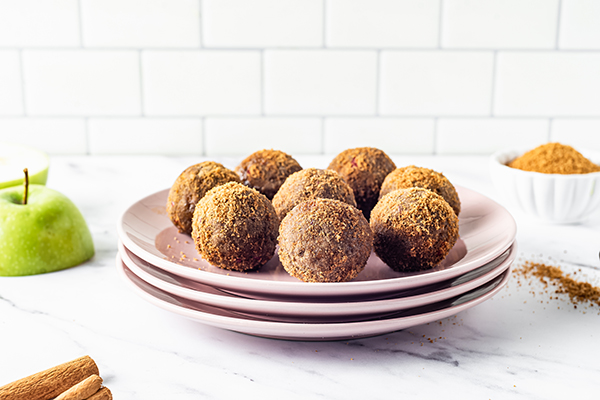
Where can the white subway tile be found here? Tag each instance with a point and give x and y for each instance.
(39, 23)
(246, 135)
(392, 135)
(583, 134)
(484, 136)
(499, 23)
(319, 82)
(67, 82)
(52, 135)
(140, 23)
(547, 84)
(382, 23)
(580, 24)
(435, 83)
(262, 23)
(201, 82)
(172, 136)
(11, 92)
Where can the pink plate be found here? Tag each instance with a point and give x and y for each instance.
(343, 309)
(231, 320)
(486, 231)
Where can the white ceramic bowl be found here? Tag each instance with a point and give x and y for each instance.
(548, 197)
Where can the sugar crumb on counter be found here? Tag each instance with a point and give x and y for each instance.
(552, 281)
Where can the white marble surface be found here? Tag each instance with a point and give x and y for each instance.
(515, 345)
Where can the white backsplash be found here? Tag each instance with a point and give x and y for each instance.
(220, 77)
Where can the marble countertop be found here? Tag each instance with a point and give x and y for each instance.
(516, 345)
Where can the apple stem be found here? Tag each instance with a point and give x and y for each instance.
(26, 183)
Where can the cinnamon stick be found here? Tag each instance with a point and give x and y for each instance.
(102, 394)
(83, 389)
(50, 383)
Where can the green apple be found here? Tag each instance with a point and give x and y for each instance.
(46, 234)
(15, 157)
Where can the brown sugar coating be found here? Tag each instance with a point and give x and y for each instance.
(309, 184)
(364, 168)
(324, 240)
(555, 279)
(414, 229)
(190, 186)
(411, 176)
(235, 227)
(554, 158)
(266, 170)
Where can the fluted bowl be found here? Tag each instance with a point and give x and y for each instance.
(553, 198)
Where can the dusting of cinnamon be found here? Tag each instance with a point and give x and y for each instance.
(564, 283)
(189, 187)
(414, 229)
(235, 227)
(413, 176)
(554, 158)
(309, 184)
(266, 170)
(324, 240)
(364, 169)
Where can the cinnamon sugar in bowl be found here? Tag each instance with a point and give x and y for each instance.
(552, 183)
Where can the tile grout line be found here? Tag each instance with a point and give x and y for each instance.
(324, 26)
(558, 15)
(440, 23)
(302, 116)
(308, 48)
(22, 71)
(80, 15)
(435, 135)
(323, 135)
(262, 83)
(142, 103)
(86, 123)
(203, 133)
(200, 24)
(377, 82)
(493, 91)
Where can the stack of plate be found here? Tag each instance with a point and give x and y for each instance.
(162, 266)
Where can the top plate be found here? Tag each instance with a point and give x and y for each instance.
(486, 231)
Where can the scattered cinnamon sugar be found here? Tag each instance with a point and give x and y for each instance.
(578, 292)
(554, 158)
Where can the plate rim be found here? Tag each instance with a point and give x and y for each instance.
(310, 288)
(310, 332)
(296, 308)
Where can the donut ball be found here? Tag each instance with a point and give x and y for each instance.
(324, 240)
(414, 229)
(364, 169)
(411, 176)
(266, 170)
(309, 184)
(235, 227)
(190, 186)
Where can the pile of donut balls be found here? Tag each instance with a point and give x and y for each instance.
(326, 222)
